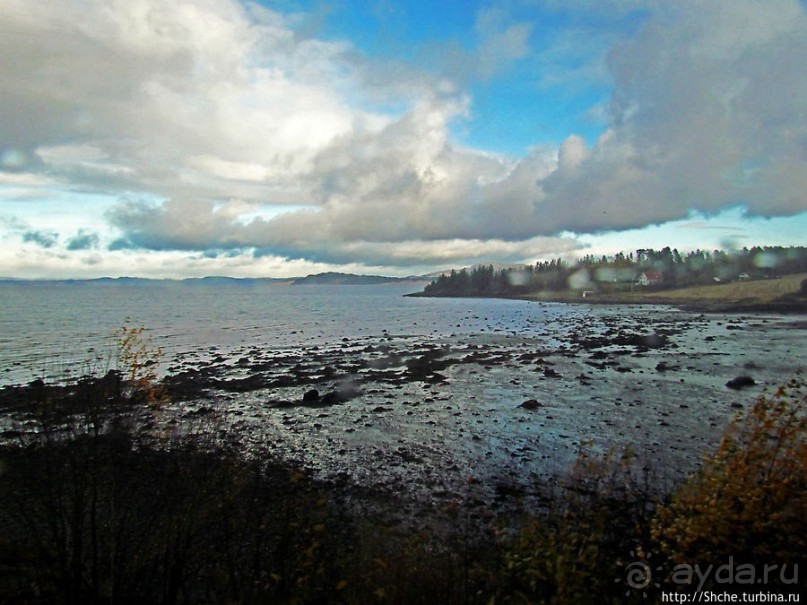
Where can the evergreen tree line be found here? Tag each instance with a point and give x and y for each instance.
(669, 268)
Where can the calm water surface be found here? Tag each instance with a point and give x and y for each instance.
(49, 329)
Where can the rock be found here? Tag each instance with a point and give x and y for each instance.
(254, 382)
(202, 411)
(740, 382)
(311, 396)
(332, 398)
(650, 341)
(530, 404)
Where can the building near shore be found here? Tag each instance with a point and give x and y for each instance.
(650, 278)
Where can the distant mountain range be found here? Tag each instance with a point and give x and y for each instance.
(349, 279)
(331, 278)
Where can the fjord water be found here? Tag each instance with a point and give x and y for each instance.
(53, 330)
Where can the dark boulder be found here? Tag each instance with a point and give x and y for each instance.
(311, 396)
(253, 382)
(663, 366)
(530, 404)
(332, 398)
(740, 382)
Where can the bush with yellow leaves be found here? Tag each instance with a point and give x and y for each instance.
(749, 500)
(137, 360)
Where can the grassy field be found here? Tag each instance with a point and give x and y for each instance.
(757, 291)
(741, 294)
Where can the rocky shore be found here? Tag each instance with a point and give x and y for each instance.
(496, 418)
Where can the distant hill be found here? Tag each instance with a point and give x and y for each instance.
(331, 278)
(349, 279)
(216, 280)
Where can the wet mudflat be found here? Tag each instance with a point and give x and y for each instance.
(494, 417)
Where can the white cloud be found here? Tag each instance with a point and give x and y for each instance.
(154, 86)
(35, 262)
(218, 109)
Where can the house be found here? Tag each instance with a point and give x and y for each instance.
(650, 278)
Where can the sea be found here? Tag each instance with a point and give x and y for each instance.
(59, 330)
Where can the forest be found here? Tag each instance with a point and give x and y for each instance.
(663, 269)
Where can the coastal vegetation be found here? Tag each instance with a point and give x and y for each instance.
(106, 498)
(645, 270)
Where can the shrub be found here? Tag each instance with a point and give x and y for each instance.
(749, 501)
(570, 555)
(137, 361)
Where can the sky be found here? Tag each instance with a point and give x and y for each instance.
(279, 138)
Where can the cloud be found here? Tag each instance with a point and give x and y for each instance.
(707, 112)
(44, 239)
(372, 233)
(501, 41)
(83, 241)
(699, 120)
(218, 110)
(40, 263)
(456, 251)
(176, 98)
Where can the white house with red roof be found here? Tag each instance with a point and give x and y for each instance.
(650, 278)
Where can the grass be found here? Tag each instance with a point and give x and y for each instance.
(740, 294)
(757, 291)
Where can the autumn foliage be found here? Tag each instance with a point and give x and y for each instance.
(749, 501)
(137, 360)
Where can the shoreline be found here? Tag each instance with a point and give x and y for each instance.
(795, 306)
(381, 451)
(789, 306)
(774, 296)
(509, 407)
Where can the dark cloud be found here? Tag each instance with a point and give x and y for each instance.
(313, 235)
(83, 241)
(707, 112)
(44, 239)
